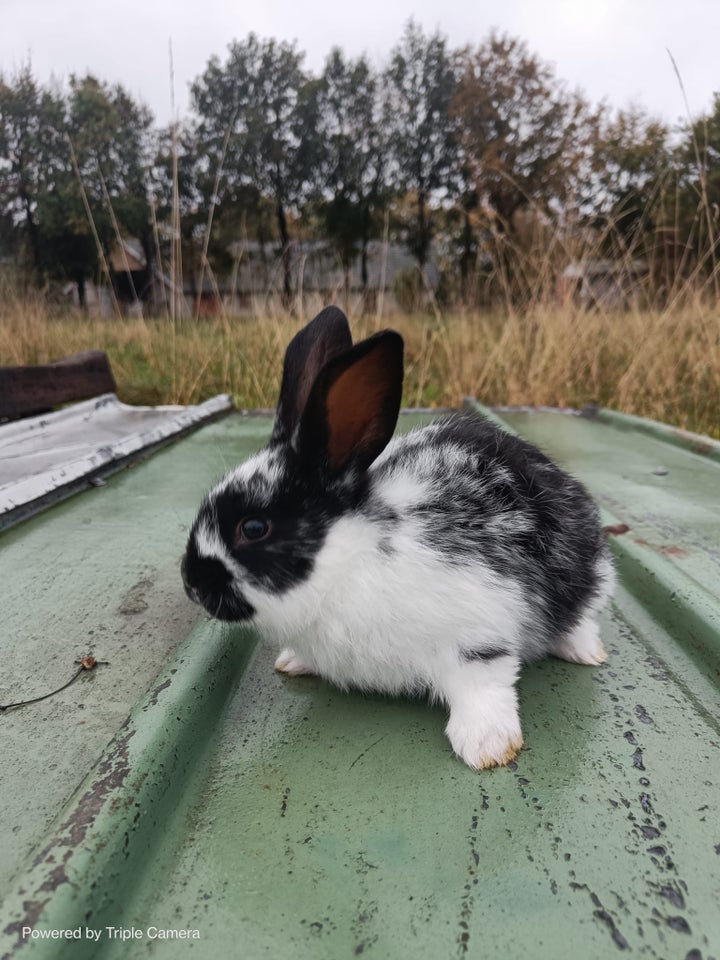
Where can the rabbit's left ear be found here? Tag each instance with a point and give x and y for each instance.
(352, 409)
(309, 350)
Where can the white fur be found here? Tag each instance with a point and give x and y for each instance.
(209, 543)
(582, 644)
(386, 612)
(289, 662)
(399, 622)
(264, 468)
(381, 622)
(403, 491)
(484, 726)
(425, 461)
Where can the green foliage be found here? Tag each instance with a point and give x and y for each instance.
(632, 164)
(482, 151)
(523, 136)
(705, 139)
(31, 152)
(254, 113)
(351, 175)
(54, 147)
(420, 82)
(699, 164)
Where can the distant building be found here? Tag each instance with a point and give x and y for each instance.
(316, 268)
(603, 283)
(256, 275)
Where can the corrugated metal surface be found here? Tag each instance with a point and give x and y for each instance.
(280, 817)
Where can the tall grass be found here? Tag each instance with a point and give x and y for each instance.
(663, 364)
(527, 347)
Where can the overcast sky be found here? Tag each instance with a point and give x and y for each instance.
(612, 49)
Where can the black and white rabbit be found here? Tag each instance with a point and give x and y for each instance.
(437, 561)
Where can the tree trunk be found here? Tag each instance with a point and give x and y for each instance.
(346, 286)
(364, 241)
(422, 244)
(82, 298)
(147, 292)
(285, 242)
(32, 228)
(466, 258)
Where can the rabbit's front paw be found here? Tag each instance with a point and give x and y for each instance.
(484, 726)
(289, 662)
(482, 743)
(582, 644)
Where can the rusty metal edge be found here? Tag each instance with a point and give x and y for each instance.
(212, 410)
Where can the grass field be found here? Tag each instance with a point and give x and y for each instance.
(664, 365)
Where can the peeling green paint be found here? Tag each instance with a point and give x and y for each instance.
(280, 817)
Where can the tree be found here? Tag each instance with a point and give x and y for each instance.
(257, 112)
(420, 82)
(523, 134)
(698, 160)
(351, 173)
(524, 139)
(631, 163)
(31, 122)
(175, 184)
(103, 152)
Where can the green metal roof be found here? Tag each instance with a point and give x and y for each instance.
(280, 817)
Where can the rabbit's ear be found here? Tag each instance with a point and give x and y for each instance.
(353, 406)
(308, 352)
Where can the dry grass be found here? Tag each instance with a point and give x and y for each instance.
(664, 365)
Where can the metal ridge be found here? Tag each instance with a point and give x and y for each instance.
(96, 843)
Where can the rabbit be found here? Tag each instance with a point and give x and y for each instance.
(438, 561)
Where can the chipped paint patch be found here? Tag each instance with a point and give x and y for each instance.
(135, 599)
(112, 772)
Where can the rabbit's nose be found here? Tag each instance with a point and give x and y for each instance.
(205, 578)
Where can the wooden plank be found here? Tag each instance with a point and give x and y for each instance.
(34, 389)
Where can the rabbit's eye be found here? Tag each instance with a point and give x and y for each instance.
(252, 530)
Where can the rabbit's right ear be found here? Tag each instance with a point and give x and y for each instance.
(353, 407)
(325, 337)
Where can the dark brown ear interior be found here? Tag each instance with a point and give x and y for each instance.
(325, 337)
(355, 403)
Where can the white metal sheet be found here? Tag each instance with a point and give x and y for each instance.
(42, 454)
